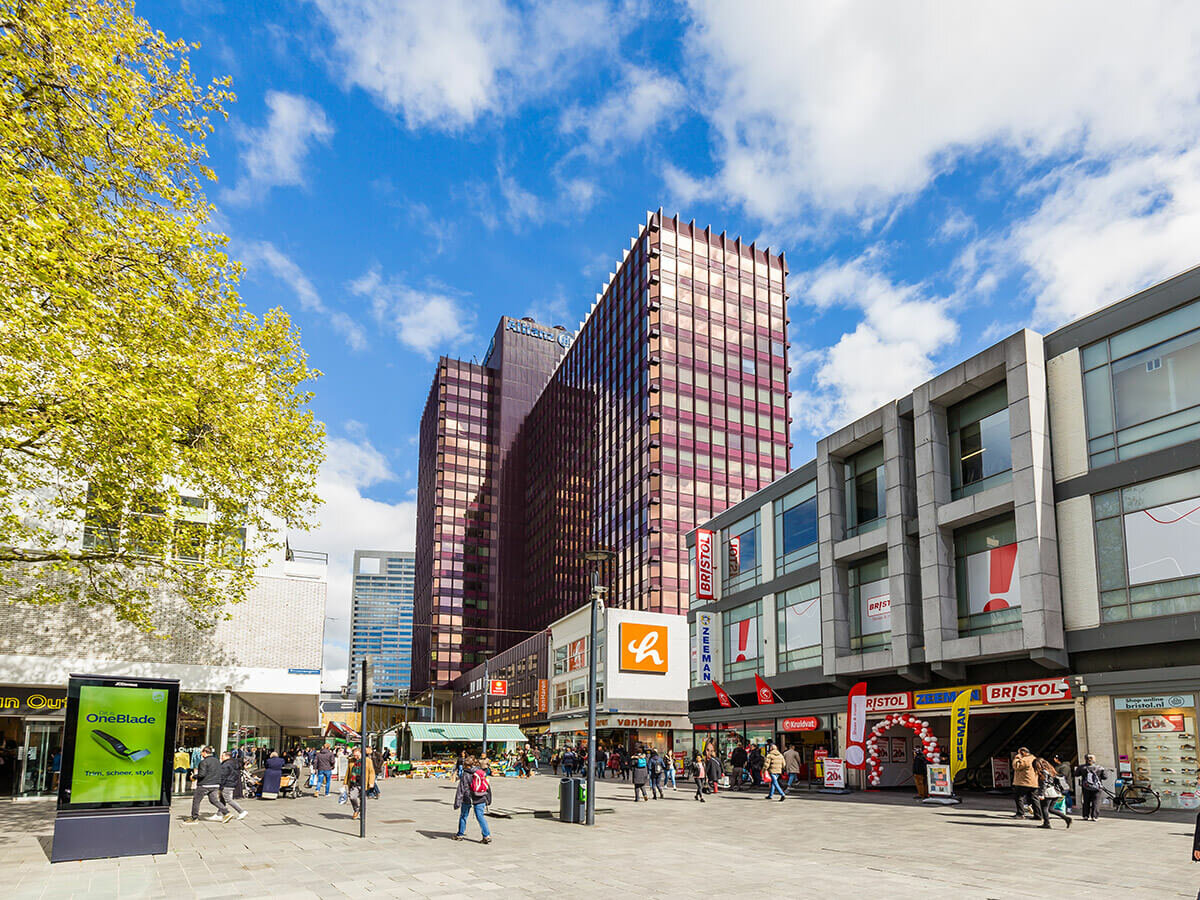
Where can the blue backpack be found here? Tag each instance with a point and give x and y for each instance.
(641, 762)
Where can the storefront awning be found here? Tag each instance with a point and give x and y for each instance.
(464, 731)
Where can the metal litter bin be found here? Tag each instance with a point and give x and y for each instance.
(570, 800)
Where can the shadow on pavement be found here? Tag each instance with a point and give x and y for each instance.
(436, 835)
(288, 820)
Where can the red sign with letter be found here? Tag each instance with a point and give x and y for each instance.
(722, 697)
(765, 694)
(704, 565)
(498, 687)
(1026, 691)
(804, 723)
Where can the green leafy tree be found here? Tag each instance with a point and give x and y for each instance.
(149, 424)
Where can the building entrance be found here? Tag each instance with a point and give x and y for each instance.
(41, 758)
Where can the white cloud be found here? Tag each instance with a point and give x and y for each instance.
(552, 310)
(842, 108)
(640, 103)
(423, 319)
(446, 64)
(350, 520)
(264, 254)
(274, 154)
(520, 206)
(889, 352)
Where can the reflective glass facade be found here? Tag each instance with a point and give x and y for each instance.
(381, 618)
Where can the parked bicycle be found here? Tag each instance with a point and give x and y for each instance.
(1137, 798)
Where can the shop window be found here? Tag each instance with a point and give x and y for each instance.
(1142, 387)
(741, 554)
(980, 442)
(987, 577)
(870, 605)
(866, 491)
(1158, 740)
(1146, 548)
(743, 656)
(796, 529)
(799, 627)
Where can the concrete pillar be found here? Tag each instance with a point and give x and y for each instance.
(770, 639)
(223, 743)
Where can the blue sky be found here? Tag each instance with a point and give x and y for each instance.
(399, 175)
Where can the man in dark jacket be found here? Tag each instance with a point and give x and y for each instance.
(738, 761)
(231, 777)
(754, 763)
(208, 784)
(1090, 777)
(569, 762)
(466, 799)
(920, 770)
(324, 762)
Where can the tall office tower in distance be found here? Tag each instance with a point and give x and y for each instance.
(669, 405)
(381, 618)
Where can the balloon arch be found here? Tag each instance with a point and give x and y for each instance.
(919, 727)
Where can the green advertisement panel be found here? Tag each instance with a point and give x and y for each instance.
(120, 739)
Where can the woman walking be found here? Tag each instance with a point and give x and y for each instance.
(474, 793)
(698, 775)
(1049, 790)
(641, 776)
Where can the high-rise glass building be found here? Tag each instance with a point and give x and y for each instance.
(381, 618)
(669, 404)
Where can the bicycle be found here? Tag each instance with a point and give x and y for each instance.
(1137, 798)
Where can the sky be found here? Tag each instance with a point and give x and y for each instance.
(398, 175)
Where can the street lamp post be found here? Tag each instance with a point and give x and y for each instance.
(487, 689)
(599, 556)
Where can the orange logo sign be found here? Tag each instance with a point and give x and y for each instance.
(643, 648)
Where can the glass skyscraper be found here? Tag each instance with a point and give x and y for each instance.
(381, 618)
(669, 405)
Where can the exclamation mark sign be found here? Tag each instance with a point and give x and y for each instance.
(1000, 575)
(743, 639)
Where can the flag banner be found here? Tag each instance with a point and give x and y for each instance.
(722, 697)
(855, 753)
(763, 690)
(960, 712)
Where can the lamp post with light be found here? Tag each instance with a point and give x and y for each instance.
(599, 556)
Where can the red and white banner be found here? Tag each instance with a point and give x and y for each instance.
(993, 580)
(704, 565)
(855, 752)
(498, 687)
(763, 690)
(1161, 723)
(1027, 691)
(835, 773)
(745, 640)
(722, 697)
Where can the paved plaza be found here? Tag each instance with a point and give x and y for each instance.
(809, 846)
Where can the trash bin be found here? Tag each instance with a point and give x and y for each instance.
(570, 800)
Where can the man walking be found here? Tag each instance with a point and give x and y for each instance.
(773, 764)
(231, 777)
(737, 759)
(791, 766)
(1025, 783)
(656, 773)
(324, 762)
(920, 772)
(208, 784)
(1090, 776)
(360, 778)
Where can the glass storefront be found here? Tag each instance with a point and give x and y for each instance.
(1156, 746)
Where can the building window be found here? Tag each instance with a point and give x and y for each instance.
(741, 554)
(987, 577)
(741, 644)
(980, 442)
(799, 627)
(560, 660)
(1146, 548)
(866, 491)
(1142, 387)
(870, 605)
(796, 529)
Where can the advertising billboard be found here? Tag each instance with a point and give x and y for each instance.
(117, 743)
(645, 656)
(704, 564)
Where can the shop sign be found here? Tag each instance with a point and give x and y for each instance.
(543, 695)
(821, 753)
(803, 723)
(643, 647)
(943, 697)
(704, 564)
(28, 701)
(1001, 772)
(1026, 691)
(498, 687)
(899, 751)
(889, 702)
(1161, 723)
(642, 722)
(337, 706)
(835, 773)
(1169, 701)
(940, 784)
(704, 628)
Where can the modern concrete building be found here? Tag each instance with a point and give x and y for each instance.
(381, 619)
(669, 403)
(1022, 525)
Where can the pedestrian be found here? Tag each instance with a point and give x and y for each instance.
(530, 761)
(1090, 777)
(1025, 783)
(272, 777)
(712, 770)
(920, 772)
(791, 766)
(641, 775)
(358, 783)
(474, 792)
(669, 769)
(231, 777)
(625, 764)
(1050, 789)
(698, 775)
(377, 764)
(655, 765)
(754, 765)
(773, 764)
(324, 762)
(1067, 773)
(738, 760)
(208, 784)
(614, 763)
(601, 762)
(554, 759)
(569, 761)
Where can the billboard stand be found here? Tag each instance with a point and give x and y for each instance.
(114, 791)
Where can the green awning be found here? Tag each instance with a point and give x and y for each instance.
(465, 731)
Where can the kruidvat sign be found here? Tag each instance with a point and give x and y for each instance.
(562, 338)
(704, 629)
(704, 565)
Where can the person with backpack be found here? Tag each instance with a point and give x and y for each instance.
(1090, 777)
(1067, 774)
(641, 775)
(655, 765)
(1050, 789)
(231, 777)
(474, 793)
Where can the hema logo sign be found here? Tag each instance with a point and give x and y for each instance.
(643, 648)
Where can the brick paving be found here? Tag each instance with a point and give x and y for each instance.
(884, 846)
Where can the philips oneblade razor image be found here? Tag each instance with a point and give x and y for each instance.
(116, 747)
